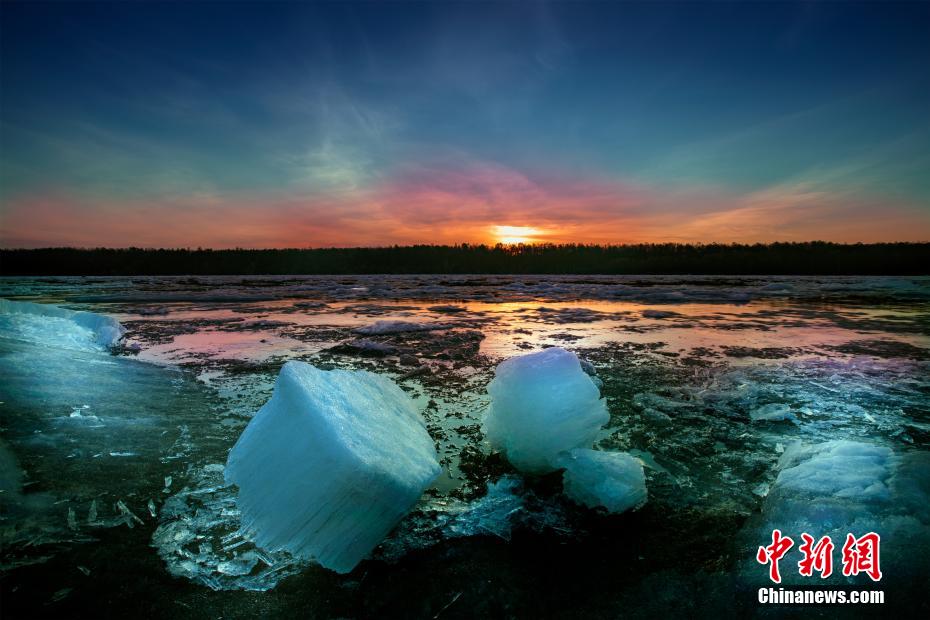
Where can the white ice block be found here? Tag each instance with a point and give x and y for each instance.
(49, 325)
(330, 464)
(837, 469)
(613, 480)
(543, 404)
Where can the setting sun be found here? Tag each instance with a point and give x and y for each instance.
(510, 235)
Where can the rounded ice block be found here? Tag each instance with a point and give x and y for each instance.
(542, 404)
(613, 480)
(330, 464)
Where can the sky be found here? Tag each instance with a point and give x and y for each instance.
(304, 124)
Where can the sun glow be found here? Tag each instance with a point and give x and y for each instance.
(510, 235)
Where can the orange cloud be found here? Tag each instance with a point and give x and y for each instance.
(464, 204)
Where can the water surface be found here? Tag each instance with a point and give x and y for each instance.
(690, 368)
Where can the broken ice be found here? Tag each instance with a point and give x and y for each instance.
(542, 405)
(330, 464)
(842, 486)
(398, 327)
(612, 480)
(53, 326)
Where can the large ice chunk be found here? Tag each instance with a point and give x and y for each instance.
(50, 325)
(543, 404)
(613, 480)
(837, 469)
(841, 487)
(330, 464)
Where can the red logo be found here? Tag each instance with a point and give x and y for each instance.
(773, 553)
(817, 557)
(860, 555)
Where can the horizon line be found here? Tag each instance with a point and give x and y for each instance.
(699, 244)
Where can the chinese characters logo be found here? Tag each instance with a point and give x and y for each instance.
(859, 555)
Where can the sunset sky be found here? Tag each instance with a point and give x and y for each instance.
(340, 124)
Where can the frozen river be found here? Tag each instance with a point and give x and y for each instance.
(111, 463)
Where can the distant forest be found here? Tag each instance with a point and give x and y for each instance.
(665, 258)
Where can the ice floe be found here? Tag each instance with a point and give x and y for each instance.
(50, 325)
(843, 487)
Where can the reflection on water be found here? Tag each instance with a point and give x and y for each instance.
(512, 328)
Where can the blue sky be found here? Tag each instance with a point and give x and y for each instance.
(341, 123)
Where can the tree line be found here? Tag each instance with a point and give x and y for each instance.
(816, 257)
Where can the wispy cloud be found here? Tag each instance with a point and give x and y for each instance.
(463, 203)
